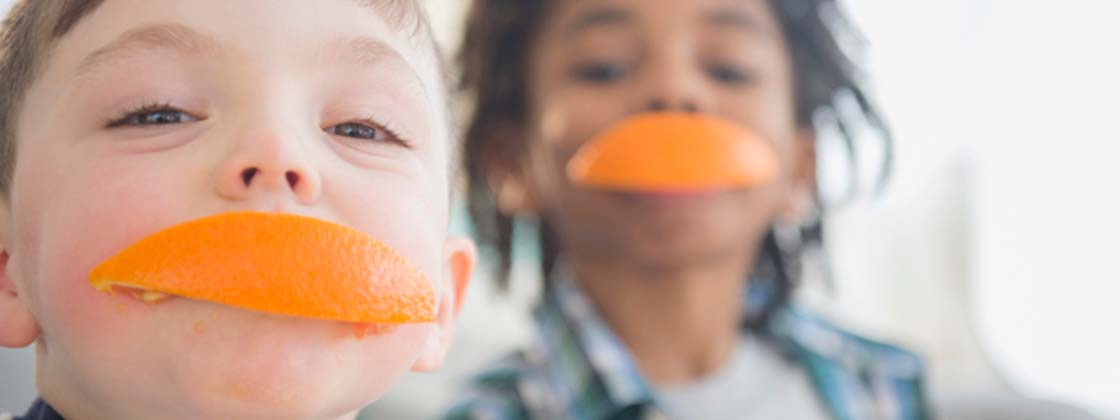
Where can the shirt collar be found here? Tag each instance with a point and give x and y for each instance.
(590, 370)
(582, 357)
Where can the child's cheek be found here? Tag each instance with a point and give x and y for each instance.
(389, 356)
(407, 216)
(91, 319)
(71, 240)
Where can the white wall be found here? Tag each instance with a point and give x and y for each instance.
(1048, 203)
(1003, 218)
(903, 262)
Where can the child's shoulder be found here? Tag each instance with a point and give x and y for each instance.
(813, 333)
(40, 410)
(847, 367)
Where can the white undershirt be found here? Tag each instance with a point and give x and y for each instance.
(756, 383)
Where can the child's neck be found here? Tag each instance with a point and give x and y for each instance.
(680, 325)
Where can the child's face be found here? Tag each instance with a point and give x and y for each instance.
(150, 113)
(596, 62)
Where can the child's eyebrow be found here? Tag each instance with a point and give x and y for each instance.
(361, 51)
(152, 38)
(603, 16)
(377, 55)
(733, 19)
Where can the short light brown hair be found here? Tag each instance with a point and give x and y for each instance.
(28, 32)
(33, 26)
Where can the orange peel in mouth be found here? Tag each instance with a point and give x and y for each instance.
(276, 263)
(674, 152)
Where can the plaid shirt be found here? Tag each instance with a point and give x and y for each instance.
(578, 369)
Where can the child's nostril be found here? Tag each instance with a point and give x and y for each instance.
(293, 178)
(248, 174)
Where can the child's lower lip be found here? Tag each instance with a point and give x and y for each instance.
(673, 196)
(359, 330)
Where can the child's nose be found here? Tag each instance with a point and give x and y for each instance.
(267, 167)
(683, 104)
(676, 93)
(673, 82)
(248, 175)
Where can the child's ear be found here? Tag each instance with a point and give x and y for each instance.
(17, 326)
(800, 201)
(461, 257)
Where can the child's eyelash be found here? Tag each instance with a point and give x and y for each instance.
(145, 107)
(388, 127)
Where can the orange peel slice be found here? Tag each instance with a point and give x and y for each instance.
(674, 152)
(276, 263)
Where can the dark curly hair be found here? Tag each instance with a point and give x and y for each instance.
(828, 87)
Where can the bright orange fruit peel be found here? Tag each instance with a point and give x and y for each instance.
(276, 263)
(674, 152)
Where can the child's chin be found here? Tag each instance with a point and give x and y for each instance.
(238, 361)
(298, 407)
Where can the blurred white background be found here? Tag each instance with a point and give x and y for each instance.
(991, 252)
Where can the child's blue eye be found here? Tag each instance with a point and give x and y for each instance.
(355, 130)
(150, 115)
(366, 130)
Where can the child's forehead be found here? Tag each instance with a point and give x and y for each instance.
(391, 30)
(391, 19)
(403, 19)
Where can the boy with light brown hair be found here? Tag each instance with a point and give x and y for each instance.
(322, 125)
